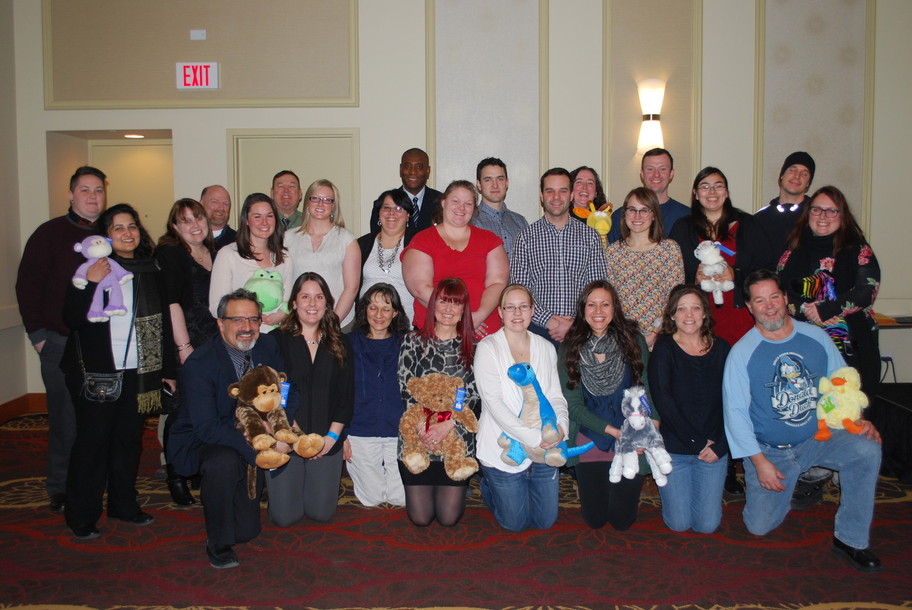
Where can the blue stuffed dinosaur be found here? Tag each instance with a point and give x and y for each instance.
(536, 412)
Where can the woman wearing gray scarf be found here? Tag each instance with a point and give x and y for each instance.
(603, 355)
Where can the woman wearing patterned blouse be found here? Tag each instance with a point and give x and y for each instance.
(443, 345)
(643, 265)
(832, 278)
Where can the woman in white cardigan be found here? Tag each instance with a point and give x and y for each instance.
(524, 494)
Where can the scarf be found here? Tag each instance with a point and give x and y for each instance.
(601, 378)
(147, 305)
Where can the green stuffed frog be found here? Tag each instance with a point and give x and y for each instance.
(268, 288)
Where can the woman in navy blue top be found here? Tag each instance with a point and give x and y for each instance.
(370, 449)
(685, 373)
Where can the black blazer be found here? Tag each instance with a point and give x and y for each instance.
(429, 208)
(228, 236)
(206, 416)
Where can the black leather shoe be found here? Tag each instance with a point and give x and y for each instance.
(807, 494)
(862, 560)
(177, 485)
(85, 533)
(139, 518)
(222, 558)
(58, 503)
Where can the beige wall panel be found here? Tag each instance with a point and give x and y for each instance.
(12, 338)
(138, 174)
(64, 155)
(891, 214)
(314, 155)
(650, 39)
(728, 97)
(575, 87)
(134, 50)
(814, 83)
(487, 97)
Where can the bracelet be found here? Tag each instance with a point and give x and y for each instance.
(181, 348)
(332, 435)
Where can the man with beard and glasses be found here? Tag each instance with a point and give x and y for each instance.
(770, 402)
(204, 439)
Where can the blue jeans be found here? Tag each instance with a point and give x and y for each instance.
(523, 499)
(692, 499)
(855, 458)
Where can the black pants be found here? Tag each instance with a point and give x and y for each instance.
(602, 501)
(231, 517)
(105, 455)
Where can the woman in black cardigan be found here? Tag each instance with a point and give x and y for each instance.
(318, 360)
(713, 217)
(108, 443)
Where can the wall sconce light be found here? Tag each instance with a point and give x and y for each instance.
(652, 93)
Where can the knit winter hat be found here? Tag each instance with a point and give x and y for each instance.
(799, 158)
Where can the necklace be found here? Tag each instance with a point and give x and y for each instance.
(387, 265)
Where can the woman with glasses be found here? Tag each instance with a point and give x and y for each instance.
(744, 247)
(258, 247)
(832, 277)
(323, 245)
(454, 248)
(521, 495)
(380, 253)
(643, 265)
(318, 361)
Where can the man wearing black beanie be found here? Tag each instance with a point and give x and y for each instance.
(779, 217)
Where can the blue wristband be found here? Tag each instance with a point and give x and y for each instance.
(332, 435)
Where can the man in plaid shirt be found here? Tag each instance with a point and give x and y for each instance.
(555, 258)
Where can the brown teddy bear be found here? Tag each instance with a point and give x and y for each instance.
(261, 418)
(435, 395)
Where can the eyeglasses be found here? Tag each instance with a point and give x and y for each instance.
(634, 212)
(525, 307)
(252, 320)
(828, 212)
(711, 187)
(391, 208)
(315, 199)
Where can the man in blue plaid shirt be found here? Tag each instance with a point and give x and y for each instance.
(555, 258)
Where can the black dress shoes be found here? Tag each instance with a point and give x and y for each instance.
(139, 518)
(862, 560)
(221, 558)
(177, 485)
(85, 533)
(58, 503)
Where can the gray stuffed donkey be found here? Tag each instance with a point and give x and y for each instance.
(638, 432)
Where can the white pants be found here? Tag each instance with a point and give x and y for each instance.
(374, 470)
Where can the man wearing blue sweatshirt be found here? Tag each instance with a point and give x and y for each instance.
(770, 401)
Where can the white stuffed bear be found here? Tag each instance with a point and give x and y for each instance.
(710, 256)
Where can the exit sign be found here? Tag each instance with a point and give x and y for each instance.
(197, 76)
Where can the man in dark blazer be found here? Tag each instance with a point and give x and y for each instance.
(204, 438)
(217, 203)
(414, 170)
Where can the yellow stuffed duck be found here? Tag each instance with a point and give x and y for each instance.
(840, 404)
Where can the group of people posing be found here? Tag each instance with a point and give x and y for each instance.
(445, 283)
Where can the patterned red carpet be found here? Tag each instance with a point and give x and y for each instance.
(374, 558)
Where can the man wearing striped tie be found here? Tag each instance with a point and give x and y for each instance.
(414, 170)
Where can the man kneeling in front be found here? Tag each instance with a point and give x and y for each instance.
(770, 401)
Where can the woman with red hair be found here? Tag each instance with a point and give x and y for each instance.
(444, 344)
